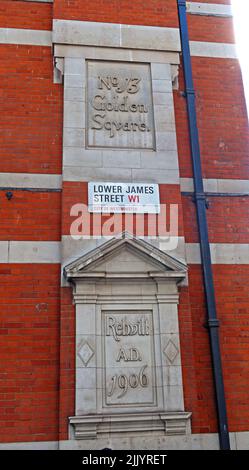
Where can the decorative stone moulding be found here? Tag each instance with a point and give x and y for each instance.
(119, 125)
(82, 33)
(112, 132)
(169, 424)
(128, 362)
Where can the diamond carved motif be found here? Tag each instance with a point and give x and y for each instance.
(171, 351)
(85, 353)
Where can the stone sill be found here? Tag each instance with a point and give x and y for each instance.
(168, 423)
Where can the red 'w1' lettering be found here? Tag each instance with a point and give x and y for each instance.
(133, 198)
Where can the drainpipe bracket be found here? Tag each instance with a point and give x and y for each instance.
(213, 323)
(201, 197)
(190, 91)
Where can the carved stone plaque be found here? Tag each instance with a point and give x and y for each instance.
(128, 354)
(119, 106)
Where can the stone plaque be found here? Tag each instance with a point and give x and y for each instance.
(128, 354)
(119, 106)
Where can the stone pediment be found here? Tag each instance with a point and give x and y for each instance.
(126, 256)
(126, 297)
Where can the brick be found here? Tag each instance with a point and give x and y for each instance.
(31, 111)
(211, 29)
(30, 216)
(21, 14)
(148, 12)
(29, 354)
(222, 120)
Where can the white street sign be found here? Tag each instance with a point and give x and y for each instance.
(123, 198)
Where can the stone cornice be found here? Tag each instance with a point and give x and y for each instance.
(169, 424)
(87, 33)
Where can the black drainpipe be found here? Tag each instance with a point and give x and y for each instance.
(201, 207)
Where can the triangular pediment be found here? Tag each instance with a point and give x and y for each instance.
(125, 255)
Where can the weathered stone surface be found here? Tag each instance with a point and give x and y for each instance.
(128, 352)
(120, 109)
(127, 340)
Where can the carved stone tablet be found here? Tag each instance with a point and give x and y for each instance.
(119, 106)
(128, 353)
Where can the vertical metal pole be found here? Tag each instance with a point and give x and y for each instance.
(213, 322)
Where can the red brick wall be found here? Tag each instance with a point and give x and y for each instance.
(30, 15)
(29, 350)
(30, 216)
(227, 220)
(190, 380)
(67, 361)
(31, 141)
(232, 305)
(232, 309)
(201, 398)
(220, 31)
(144, 12)
(222, 120)
(31, 111)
